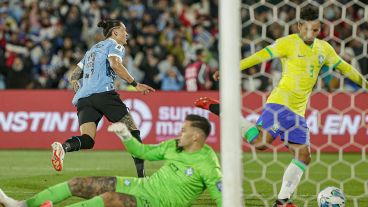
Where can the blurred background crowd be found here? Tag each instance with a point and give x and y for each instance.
(173, 44)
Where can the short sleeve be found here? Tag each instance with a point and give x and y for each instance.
(81, 63)
(332, 59)
(116, 50)
(279, 48)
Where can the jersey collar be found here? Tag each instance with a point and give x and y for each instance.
(113, 40)
(311, 46)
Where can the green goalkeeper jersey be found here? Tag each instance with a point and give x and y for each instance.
(182, 178)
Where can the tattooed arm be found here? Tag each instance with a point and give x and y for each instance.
(123, 73)
(74, 77)
(88, 187)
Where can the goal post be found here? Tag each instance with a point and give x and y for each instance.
(230, 93)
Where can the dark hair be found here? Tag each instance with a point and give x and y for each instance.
(199, 51)
(107, 26)
(199, 122)
(309, 13)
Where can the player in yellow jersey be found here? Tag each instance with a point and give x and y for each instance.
(302, 56)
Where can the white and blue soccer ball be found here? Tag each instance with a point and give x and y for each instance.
(331, 197)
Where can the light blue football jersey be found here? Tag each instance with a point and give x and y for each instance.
(98, 76)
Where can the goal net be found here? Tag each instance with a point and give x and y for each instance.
(337, 113)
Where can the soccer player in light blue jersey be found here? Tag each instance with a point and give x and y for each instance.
(95, 95)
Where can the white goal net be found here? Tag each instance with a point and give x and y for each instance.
(337, 112)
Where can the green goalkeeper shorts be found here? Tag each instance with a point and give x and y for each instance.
(135, 187)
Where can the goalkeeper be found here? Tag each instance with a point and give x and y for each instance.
(191, 167)
(302, 56)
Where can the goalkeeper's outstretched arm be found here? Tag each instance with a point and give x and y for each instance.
(137, 149)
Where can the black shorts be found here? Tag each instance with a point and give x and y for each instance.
(93, 107)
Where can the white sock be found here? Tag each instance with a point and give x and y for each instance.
(291, 179)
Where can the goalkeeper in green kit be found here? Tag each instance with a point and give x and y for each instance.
(191, 167)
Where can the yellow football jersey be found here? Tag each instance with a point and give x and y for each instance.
(301, 64)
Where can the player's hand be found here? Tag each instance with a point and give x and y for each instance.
(216, 76)
(144, 89)
(75, 85)
(121, 130)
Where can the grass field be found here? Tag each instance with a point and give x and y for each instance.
(23, 173)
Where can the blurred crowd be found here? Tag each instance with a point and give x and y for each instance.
(173, 44)
(337, 29)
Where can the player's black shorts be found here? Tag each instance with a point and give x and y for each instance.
(93, 107)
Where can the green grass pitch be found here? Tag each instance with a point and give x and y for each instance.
(26, 172)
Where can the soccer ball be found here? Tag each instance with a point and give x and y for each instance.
(331, 197)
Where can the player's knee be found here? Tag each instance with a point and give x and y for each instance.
(89, 128)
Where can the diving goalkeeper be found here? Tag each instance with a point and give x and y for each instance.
(191, 167)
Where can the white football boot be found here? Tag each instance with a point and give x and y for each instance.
(57, 156)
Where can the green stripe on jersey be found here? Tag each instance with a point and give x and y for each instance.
(269, 52)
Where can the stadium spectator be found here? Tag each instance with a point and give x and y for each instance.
(169, 26)
(151, 72)
(19, 73)
(171, 80)
(47, 25)
(191, 167)
(197, 74)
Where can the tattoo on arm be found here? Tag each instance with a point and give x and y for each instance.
(112, 199)
(128, 121)
(88, 187)
(75, 86)
(75, 76)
